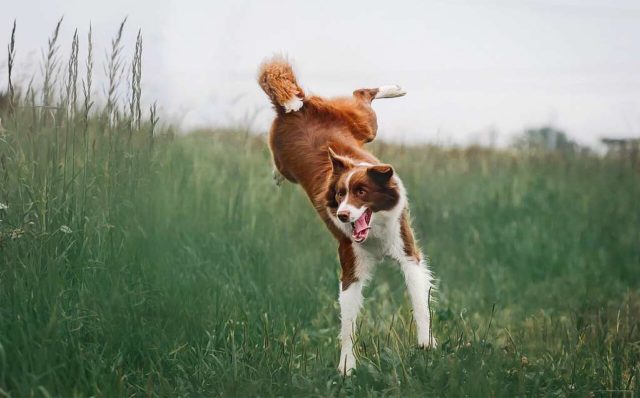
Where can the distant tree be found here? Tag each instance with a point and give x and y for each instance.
(546, 138)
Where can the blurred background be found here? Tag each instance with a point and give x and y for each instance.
(477, 72)
(145, 250)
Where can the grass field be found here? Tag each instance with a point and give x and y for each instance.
(137, 263)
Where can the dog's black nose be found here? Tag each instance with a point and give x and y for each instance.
(343, 216)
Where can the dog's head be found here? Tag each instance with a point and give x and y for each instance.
(357, 191)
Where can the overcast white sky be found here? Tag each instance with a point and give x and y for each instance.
(469, 66)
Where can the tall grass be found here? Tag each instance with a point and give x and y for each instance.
(136, 263)
(68, 173)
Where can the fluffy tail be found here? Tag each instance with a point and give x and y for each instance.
(276, 78)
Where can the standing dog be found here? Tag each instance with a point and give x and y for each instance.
(318, 143)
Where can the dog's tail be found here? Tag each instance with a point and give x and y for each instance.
(277, 79)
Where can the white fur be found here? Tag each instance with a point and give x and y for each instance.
(354, 212)
(390, 92)
(293, 104)
(419, 282)
(350, 304)
(384, 240)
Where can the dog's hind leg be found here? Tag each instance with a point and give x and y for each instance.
(369, 94)
(278, 178)
(392, 91)
(365, 126)
(279, 173)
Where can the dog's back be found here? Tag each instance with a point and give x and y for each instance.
(305, 126)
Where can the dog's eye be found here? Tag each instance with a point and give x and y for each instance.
(361, 192)
(339, 194)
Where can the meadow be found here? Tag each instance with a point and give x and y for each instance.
(134, 262)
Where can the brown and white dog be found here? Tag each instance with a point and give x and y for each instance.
(318, 143)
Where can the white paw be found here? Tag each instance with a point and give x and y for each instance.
(427, 342)
(390, 91)
(278, 178)
(347, 364)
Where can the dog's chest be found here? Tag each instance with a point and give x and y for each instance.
(383, 238)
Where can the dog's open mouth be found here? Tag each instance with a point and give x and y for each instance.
(361, 227)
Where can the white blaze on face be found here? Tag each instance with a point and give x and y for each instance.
(359, 217)
(354, 212)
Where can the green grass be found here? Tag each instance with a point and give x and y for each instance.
(132, 265)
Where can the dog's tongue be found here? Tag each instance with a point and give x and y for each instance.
(361, 224)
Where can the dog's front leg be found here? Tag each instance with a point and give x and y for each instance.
(350, 304)
(355, 272)
(419, 284)
(418, 279)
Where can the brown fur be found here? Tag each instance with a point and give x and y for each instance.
(347, 263)
(278, 81)
(410, 246)
(300, 143)
(368, 187)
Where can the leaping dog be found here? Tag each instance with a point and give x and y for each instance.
(318, 143)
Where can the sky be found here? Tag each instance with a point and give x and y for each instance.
(476, 72)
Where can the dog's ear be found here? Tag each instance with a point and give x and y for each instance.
(380, 173)
(338, 163)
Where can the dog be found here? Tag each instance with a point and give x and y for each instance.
(318, 143)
